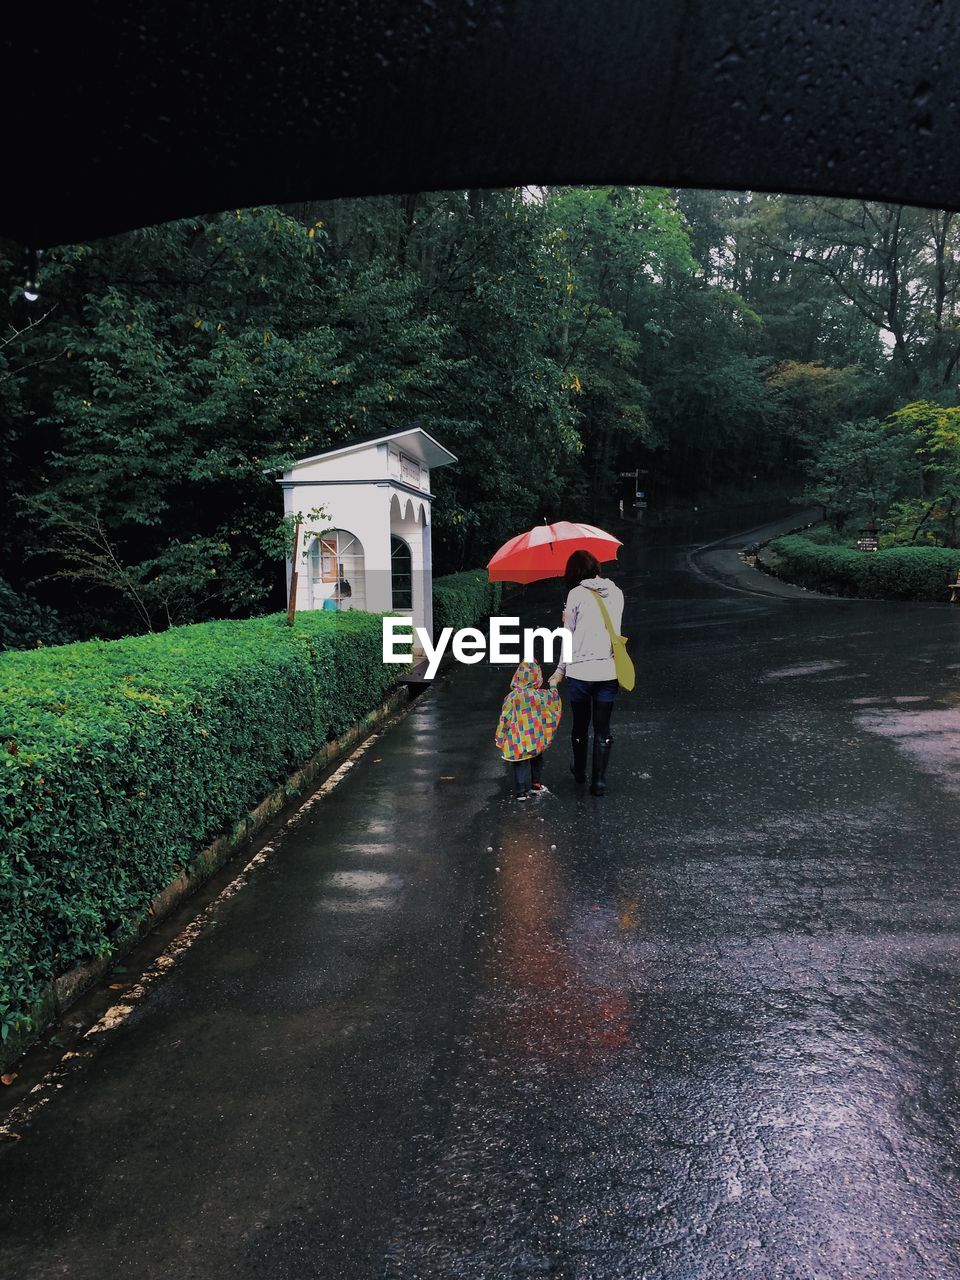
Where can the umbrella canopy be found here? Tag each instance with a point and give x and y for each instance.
(124, 116)
(542, 552)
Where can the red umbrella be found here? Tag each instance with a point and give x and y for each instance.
(542, 552)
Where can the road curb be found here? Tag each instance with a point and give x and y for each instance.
(796, 592)
(761, 589)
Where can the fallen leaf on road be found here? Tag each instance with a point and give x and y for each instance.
(7, 1135)
(9, 1077)
(448, 777)
(116, 986)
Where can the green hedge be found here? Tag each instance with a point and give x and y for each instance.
(899, 573)
(122, 759)
(464, 599)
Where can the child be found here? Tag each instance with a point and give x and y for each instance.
(528, 721)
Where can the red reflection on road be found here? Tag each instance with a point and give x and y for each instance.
(553, 1011)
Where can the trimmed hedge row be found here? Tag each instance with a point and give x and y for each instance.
(898, 573)
(120, 760)
(463, 599)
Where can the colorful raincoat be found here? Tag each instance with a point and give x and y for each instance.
(529, 717)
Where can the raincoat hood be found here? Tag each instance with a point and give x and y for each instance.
(600, 585)
(527, 676)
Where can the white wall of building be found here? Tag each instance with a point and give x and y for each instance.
(374, 492)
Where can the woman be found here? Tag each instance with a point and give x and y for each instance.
(591, 674)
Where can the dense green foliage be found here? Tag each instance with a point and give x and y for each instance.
(121, 759)
(901, 573)
(462, 599)
(902, 474)
(895, 271)
(549, 336)
(25, 624)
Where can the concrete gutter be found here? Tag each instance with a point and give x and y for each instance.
(65, 990)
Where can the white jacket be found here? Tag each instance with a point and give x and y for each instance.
(592, 656)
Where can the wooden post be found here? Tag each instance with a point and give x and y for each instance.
(292, 606)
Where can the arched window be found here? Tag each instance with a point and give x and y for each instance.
(401, 574)
(337, 571)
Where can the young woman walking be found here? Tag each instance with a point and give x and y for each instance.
(591, 674)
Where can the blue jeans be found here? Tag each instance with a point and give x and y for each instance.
(591, 700)
(526, 773)
(601, 690)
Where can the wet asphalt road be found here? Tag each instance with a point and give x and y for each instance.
(705, 1027)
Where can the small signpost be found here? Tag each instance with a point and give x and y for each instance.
(632, 497)
(869, 539)
(294, 576)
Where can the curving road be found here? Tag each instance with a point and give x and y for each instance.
(708, 1026)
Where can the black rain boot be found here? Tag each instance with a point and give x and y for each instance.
(579, 766)
(601, 754)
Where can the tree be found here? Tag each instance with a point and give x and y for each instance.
(932, 433)
(549, 336)
(895, 266)
(858, 471)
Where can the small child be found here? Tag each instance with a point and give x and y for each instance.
(528, 721)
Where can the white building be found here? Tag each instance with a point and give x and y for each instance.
(371, 550)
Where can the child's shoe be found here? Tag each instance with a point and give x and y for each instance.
(523, 795)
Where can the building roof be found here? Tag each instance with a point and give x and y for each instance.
(413, 440)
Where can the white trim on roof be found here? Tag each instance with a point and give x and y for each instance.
(445, 460)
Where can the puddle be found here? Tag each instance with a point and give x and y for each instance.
(929, 739)
(363, 881)
(804, 669)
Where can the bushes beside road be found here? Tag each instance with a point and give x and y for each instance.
(120, 760)
(464, 599)
(898, 573)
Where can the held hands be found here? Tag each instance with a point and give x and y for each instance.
(555, 679)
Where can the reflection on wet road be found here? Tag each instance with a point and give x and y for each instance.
(708, 1026)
